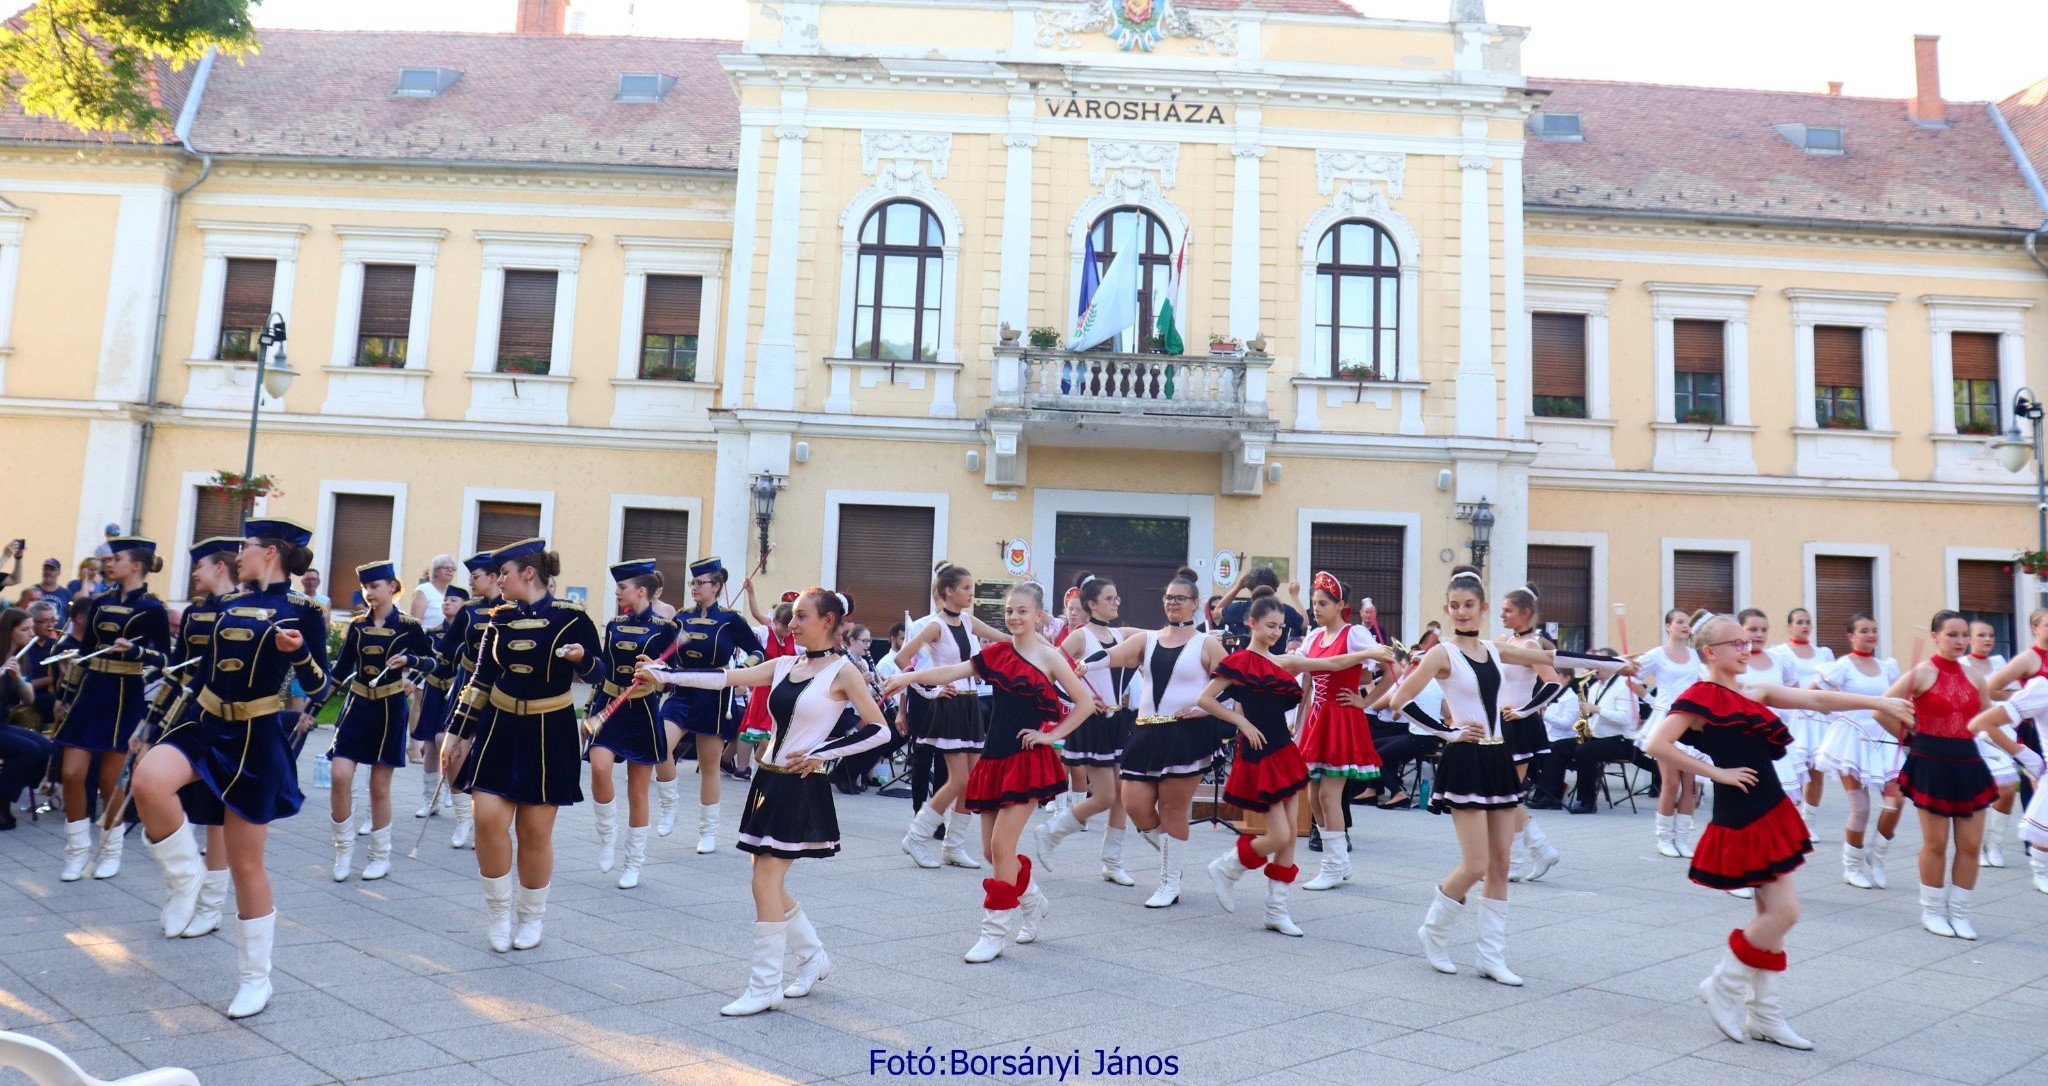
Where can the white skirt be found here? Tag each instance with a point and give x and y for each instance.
(2034, 822)
(1861, 749)
(2003, 769)
(1809, 733)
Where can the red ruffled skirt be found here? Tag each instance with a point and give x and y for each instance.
(1731, 858)
(1028, 776)
(1256, 786)
(1947, 777)
(1337, 742)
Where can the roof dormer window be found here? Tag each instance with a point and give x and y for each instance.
(1558, 127)
(424, 82)
(643, 87)
(1813, 139)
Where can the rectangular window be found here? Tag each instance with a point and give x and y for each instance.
(215, 513)
(1838, 377)
(362, 534)
(245, 308)
(1558, 342)
(526, 325)
(502, 523)
(1703, 580)
(1842, 586)
(1563, 580)
(1699, 361)
(1368, 559)
(1973, 363)
(663, 535)
(885, 560)
(668, 328)
(386, 317)
(1984, 594)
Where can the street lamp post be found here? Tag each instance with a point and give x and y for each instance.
(765, 486)
(274, 376)
(2013, 453)
(1480, 513)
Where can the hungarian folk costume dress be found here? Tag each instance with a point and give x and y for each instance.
(1755, 836)
(1856, 744)
(1265, 693)
(1008, 772)
(1943, 773)
(1336, 738)
(1809, 730)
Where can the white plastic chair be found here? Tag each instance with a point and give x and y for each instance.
(46, 1066)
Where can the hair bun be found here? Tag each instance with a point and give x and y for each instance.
(1184, 573)
(941, 566)
(1531, 590)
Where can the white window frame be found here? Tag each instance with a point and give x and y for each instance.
(1591, 299)
(1364, 202)
(13, 224)
(2023, 584)
(1411, 554)
(1140, 189)
(247, 240)
(360, 245)
(526, 251)
(855, 216)
(939, 502)
(704, 258)
(1727, 303)
(323, 527)
(179, 587)
(1597, 543)
(473, 498)
(1670, 545)
(1880, 573)
(1868, 310)
(2004, 317)
(615, 535)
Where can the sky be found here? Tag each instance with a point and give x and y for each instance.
(1777, 44)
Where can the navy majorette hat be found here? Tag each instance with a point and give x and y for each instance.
(376, 571)
(525, 548)
(704, 567)
(220, 544)
(132, 543)
(456, 592)
(633, 567)
(480, 562)
(298, 535)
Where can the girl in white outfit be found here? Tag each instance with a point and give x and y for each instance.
(1866, 758)
(1799, 770)
(2028, 663)
(1668, 670)
(1983, 663)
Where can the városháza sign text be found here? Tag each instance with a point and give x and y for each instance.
(1109, 109)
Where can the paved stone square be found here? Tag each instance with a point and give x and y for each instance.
(392, 982)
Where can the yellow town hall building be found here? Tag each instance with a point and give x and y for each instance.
(1683, 346)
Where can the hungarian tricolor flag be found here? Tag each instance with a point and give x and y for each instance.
(1169, 323)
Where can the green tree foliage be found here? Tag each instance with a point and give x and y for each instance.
(88, 62)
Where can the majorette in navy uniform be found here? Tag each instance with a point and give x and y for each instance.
(213, 578)
(461, 638)
(238, 746)
(711, 637)
(377, 649)
(433, 720)
(526, 747)
(634, 733)
(104, 701)
(789, 814)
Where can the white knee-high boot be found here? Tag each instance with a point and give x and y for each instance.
(607, 835)
(959, 831)
(812, 963)
(1336, 866)
(178, 853)
(1113, 857)
(1435, 932)
(1047, 837)
(1493, 942)
(252, 965)
(764, 976)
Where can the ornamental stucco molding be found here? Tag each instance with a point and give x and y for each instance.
(1107, 157)
(933, 147)
(1059, 27)
(1389, 169)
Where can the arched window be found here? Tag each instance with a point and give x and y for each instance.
(896, 301)
(1155, 269)
(1358, 295)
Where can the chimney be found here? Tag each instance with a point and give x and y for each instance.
(1926, 107)
(1834, 88)
(542, 16)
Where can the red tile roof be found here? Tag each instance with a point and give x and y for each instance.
(171, 87)
(2026, 113)
(521, 100)
(1709, 152)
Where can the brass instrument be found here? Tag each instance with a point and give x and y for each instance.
(1583, 727)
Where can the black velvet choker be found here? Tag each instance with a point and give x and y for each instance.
(1465, 633)
(1093, 621)
(949, 614)
(820, 654)
(1171, 625)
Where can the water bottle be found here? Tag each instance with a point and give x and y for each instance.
(1423, 789)
(323, 772)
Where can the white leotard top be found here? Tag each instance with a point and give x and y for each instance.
(1517, 684)
(944, 650)
(1461, 690)
(1184, 685)
(1668, 678)
(1805, 667)
(1104, 681)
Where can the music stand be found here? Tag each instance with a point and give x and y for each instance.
(1220, 770)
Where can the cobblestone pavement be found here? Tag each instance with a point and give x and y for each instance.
(392, 982)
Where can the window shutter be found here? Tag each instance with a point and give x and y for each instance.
(1367, 558)
(1703, 580)
(1841, 587)
(1559, 365)
(1563, 580)
(526, 329)
(885, 561)
(362, 534)
(245, 301)
(663, 535)
(1699, 346)
(215, 513)
(501, 523)
(673, 302)
(1984, 587)
(387, 300)
(1974, 356)
(1837, 357)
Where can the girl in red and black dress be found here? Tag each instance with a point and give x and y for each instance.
(1336, 735)
(1945, 775)
(1018, 769)
(1756, 837)
(1268, 772)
